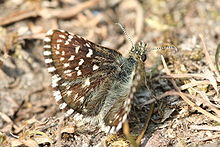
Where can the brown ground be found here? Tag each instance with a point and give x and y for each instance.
(186, 85)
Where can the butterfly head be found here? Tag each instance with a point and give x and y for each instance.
(138, 51)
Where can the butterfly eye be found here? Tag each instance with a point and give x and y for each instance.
(144, 57)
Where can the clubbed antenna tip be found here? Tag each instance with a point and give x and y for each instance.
(165, 47)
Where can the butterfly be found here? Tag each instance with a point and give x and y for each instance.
(93, 83)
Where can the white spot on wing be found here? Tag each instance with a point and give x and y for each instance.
(57, 52)
(50, 32)
(87, 44)
(70, 33)
(47, 39)
(70, 36)
(58, 46)
(77, 49)
(71, 58)
(62, 36)
(119, 126)
(63, 105)
(76, 96)
(57, 95)
(79, 73)
(81, 99)
(59, 40)
(129, 101)
(69, 74)
(116, 116)
(105, 128)
(64, 84)
(77, 68)
(62, 58)
(67, 42)
(47, 46)
(86, 83)
(95, 67)
(127, 108)
(69, 92)
(78, 116)
(69, 112)
(67, 71)
(47, 53)
(112, 130)
(124, 118)
(51, 69)
(55, 79)
(62, 31)
(48, 60)
(81, 61)
(89, 54)
(66, 64)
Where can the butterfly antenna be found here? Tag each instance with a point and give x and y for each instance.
(126, 34)
(165, 47)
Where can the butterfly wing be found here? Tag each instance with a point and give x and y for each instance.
(121, 108)
(78, 66)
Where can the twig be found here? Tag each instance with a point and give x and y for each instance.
(167, 93)
(68, 12)
(173, 76)
(209, 128)
(47, 13)
(217, 59)
(205, 100)
(17, 16)
(138, 140)
(194, 83)
(208, 58)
